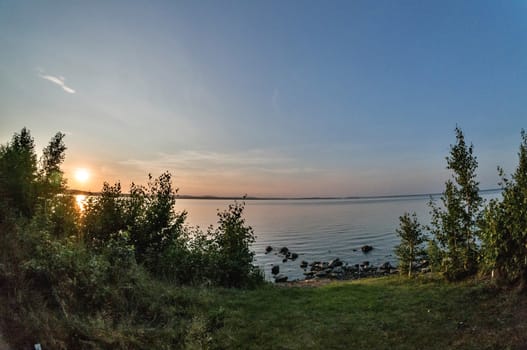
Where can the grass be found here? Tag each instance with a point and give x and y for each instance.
(385, 313)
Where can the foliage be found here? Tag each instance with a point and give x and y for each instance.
(409, 250)
(434, 255)
(164, 244)
(505, 226)
(77, 280)
(158, 226)
(147, 214)
(232, 239)
(23, 184)
(51, 176)
(65, 296)
(220, 256)
(103, 215)
(18, 174)
(454, 224)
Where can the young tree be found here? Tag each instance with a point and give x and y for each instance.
(18, 174)
(232, 239)
(103, 215)
(505, 226)
(160, 225)
(454, 224)
(409, 250)
(51, 176)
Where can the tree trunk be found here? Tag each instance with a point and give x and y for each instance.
(412, 258)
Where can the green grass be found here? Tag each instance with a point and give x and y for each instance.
(386, 313)
(383, 313)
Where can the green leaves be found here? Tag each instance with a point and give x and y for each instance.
(505, 226)
(23, 184)
(233, 239)
(454, 223)
(409, 250)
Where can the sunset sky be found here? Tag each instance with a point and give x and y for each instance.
(289, 98)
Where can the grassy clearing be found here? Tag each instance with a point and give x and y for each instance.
(386, 313)
(382, 313)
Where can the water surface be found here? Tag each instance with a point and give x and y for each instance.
(317, 229)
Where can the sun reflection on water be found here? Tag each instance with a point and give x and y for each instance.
(81, 200)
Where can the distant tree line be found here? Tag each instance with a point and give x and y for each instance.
(466, 235)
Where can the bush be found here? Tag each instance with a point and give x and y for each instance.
(220, 256)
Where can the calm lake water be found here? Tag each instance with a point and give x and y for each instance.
(318, 229)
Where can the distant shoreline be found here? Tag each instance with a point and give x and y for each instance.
(209, 197)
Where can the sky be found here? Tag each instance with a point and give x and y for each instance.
(267, 98)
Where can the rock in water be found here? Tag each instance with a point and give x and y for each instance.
(268, 249)
(386, 266)
(334, 263)
(304, 264)
(366, 248)
(284, 251)
(280, 278)
(321, 274)
(275, 270)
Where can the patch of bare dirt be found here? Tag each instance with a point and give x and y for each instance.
(307, 283)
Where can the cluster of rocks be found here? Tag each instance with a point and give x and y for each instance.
(337, 269)
(334, 269)
(284, 252)
(286, 255)
(422, 266)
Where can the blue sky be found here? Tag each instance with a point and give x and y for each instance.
(291, 98)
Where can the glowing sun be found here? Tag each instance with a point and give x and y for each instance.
(82, 175)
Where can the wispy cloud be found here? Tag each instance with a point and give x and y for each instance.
(60, 81)
(251, 161)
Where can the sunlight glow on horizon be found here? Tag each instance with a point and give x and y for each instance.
(352, 98)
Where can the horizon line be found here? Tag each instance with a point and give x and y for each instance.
(247, 197)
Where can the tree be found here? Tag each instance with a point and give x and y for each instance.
(409, 250)
(103, 215)
(505, 226)
(233, 239)
(454, 224)
(23, 184)
(159, 225)
(50, 173)
(18, 174)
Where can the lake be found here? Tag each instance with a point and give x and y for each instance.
(321, 229)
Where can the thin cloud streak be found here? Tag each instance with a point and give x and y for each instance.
(237, 162)
(60, 81)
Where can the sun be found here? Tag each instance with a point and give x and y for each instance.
(82, 175)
